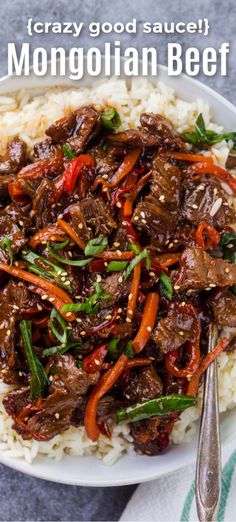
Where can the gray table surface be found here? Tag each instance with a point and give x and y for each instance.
(26, 498)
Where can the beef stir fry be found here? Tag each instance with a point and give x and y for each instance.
(116, 253)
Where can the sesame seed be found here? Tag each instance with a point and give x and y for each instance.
(201, 187)
(136, 218)
(215, 207)
(60, 216)
(124, 223)
(63, 279)
(44, 242)
(176, 287)
(21, 223)
(53, 205)
(144, 221)
(162, 198)
(176, 241)
(67, 283)
(106, 263)
(116, 244)
(128, 320)
(16, 263)
(130, 296)
(78, 297)
(20, 374)
(212, 285)
(105, 176)
(83, 332)
(152, 274)
(79, 320)
(119, 310)
(181, 332)
(8, 332)
(105, 189)
(183, 303)
(171, 245)
(80, 225)
(119, 253)
(39, 307)
(57, 415)
(50, 378)
(97, 362)
(227, 270)
(226, 204)
(194, 206)
(230, 245)
(149, 328)
(44, 297)
(142, 214)
(98, 278)
(1, 326)
(118, 204)
(108, 317)
(127, 396)
(16, 307)
(69, 253)
(120, 279)
(130, 312)
(51, 299)
(68, 314)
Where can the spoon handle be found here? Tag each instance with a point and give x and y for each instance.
(208, 469)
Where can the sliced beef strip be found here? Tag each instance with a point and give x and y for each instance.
(5, 179)
(98, 216)
(78, 222)
(75, 380)
(13, 298)
(223, 306)
(44, 149)
(198, 270)
(78, 129)
(135, 138)
(105, 163)
(15, 157)
(166, 183)
(173, 330)
(199, 200)
(14, 221)
(162, 128)
(115, 289)
(157, 221)
(143, 386)
(151, 436)
(89, 322)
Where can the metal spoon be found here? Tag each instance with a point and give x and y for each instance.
(208, 468)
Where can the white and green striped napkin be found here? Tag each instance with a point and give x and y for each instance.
(172, 499)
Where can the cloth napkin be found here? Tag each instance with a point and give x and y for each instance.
(172, 498)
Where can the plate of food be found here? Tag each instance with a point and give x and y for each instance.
(118, 251)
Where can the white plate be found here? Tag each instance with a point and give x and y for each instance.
(88, 471)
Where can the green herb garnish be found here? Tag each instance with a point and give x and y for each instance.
(68, 153)
(166, 286)
(117, 266)
(61, 348)
(114, 349)
(81, 261)
(6, 245)
(129, 350)
(44, 268)
(111, 118)
(91, 305)
(155, 407)
(96, 246)
(202, 136)
(61, 334)
(38, 377)
(142, 255)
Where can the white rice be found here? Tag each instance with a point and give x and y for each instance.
(28, 114)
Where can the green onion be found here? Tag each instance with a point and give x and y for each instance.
(111, 118)
(91, 305)
(61, 348)
(134, 247)
(59, 246)
(227, 237)
(96, 246)
(72, 262)
(6, 245)
(144, 254)
(68, 153)
(129, 350)
(79, 364)
(44, 268)
(155, 407)
(166, 286)
(113, 348)
(202, 136)
(117, 266)
(56, 317)
(38, 376)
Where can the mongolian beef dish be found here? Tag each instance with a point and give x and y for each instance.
(117, 253)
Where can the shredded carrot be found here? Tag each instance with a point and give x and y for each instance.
(133, 296)
(61, 297)
(139, 361)
(166, 260)
(71, 233)
(147, 323)
(182, 156)
(128, 204)
(214, 170)
(106, 382)
(208, 359)
(99, 181)
(111, 255)
(49, 233)
(207, 236)
(125, 167)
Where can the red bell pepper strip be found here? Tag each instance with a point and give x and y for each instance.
(193, 348)
(207, 236)
(71, 233)
(147, 322)
(74, 169)
(94, 361)
(105, 384)
(126, 166)
(61, 297)
(131, 233)
(208, 359)
(133, 296)
(214, 170)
